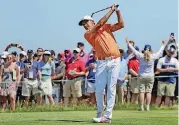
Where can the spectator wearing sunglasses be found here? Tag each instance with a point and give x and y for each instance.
(167, 66)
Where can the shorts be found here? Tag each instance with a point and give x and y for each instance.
(9, 89)
(134, 85)
(72, 87)
(46, 86)
(166, 89)
(146, 84)
(28, 86)
(90, 87)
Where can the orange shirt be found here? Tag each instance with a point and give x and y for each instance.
(103, 42)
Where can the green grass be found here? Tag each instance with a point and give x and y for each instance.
(120, 117)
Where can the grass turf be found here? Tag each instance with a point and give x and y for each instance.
(120, 117)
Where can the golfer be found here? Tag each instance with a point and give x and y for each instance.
(108, 64)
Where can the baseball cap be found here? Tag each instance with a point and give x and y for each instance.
(23, 53)
(77, 50)
(172, 50)
(4, 54)
(67, 51)
(80, 44)
(14, 53)
(147, 47)
(61, 55)
(87, 17)
(30, 51)
(47, 52)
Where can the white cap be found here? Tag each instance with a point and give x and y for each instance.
(47, 53)
(23, 53)
(91, 54)
(4, 54)
(85, 18)
(77, 49)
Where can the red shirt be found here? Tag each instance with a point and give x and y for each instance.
(78, 65)
(134, 64)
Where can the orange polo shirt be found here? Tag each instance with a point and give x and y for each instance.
(103, 42)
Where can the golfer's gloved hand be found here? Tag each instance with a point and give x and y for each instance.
(116, 8)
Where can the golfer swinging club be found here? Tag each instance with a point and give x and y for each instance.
(108, 65)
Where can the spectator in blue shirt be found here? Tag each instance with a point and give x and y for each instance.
(121, 84)
(91, 71)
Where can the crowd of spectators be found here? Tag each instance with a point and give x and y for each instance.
(68, 77)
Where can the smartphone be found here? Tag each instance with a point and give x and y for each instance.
(172, 34)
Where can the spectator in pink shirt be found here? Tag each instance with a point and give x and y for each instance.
(83, 56)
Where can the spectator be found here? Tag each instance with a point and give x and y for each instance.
(83, 56)
(167, 66)
(90, 72)
(121, 83)
(47, 68)
(60, 73)
(14, 56)
(68, 56)
(129, 52)
(146, 72)
(75, 70)
(31, 73)
(133, 67)
(9, 75)
(21, 65)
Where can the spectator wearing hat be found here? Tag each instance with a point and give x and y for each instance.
(3, 56)
(74, 71)
(133, 68)
(9, 75)
(47, 68)
(83, 56)
(21, 65)
(121, 83)
(146, 72)
(31, 76)
(68, 56)
(60, 73)
(14, 56)
(167, 66)
(90, 72)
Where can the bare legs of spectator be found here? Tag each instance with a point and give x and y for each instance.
(158, 100)
(92, 99)
(4, 101)
(50, 98)
(141, 95)
(27, 101)
(12, 101)
(167, 101)
(66, 101)
(121, 95)
(134, 98)
(148, 100)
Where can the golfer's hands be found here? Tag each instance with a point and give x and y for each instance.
(113, 7)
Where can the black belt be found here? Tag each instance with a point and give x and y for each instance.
(73, 78)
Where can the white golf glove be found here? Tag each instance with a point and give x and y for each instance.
(116, 8)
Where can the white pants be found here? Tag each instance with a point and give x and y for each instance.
(107, 73)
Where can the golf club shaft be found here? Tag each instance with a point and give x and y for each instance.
(102, 10)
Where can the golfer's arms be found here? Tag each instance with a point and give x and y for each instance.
(120, 24)
(101, 22)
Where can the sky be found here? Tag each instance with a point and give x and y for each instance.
(53, 24)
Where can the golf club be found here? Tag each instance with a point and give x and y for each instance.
(101, 10)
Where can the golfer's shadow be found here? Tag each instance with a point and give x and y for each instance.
(61, 120)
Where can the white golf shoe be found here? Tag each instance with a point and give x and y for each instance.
(102, 120)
